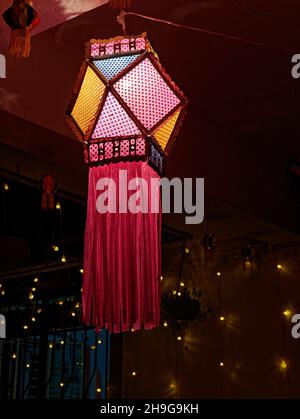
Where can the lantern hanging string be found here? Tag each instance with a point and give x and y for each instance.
(122, 16)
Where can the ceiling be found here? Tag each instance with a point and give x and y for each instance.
(243, 125)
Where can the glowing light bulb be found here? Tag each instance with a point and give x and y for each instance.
(287, 313)
(60, 303)
(36, 280)
(132, 330)
(31, 296)
(165, 324)
(73, 314)
(182, 284)
(27, 365)
(174, 292)
(55, 248)
(161, 278)
(5, 186)
(50, 346)
(283, 364)
(33, 319)
(25, 327)
(222, 318)
(172, 386)
(2, 292)
(179, 294)
(187, 250)
(14, 356)
(39, 311)
(62, 342)
(179, 338)
(93, 347)
(133, 373)
(61, 384)
(81, 271)
(77, 305)
(99, 341)
(98, 390)
(218, 273)
(57, 206)
(279, 267)
(63, 259)
(221, 364)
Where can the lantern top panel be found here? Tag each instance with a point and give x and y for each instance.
(118, 45)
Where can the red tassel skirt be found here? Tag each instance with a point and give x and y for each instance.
(122, 257)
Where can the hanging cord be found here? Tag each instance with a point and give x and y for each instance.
(122, 16)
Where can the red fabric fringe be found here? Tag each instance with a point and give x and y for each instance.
(122, 259)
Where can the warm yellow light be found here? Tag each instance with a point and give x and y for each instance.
(0, 285)
(61, 384)
(31, 296)
(63, 259)
(36, 280)
(62, 342)
(77, 305)
(133, 373)
(283, 364)
(2, 292)
(60, 303)
(33, 319)
(287, 313)
(73, 314)
(27, 365)
(93, 347)
(50, 346)
(221, 364)
(57, 206)
(81, 271)
(165, 324)
(81, 289)
(187, 250)
(98, 390)
(279, 267)
(39, 311)
(182, 284)
(132, 330)
(33, 289)
(14, 356)
(222, 318)
(179, 338)
(99, 341)
(25, 327)
(55, 248)
(218, 273)
(161, 278)
(174, 292)
(5, 186)
(172, 385)
(179, 294)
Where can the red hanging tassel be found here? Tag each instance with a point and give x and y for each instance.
(49, 186)
(21, 18)
(121, 4)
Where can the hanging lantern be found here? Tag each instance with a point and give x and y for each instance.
(22, 19)
(248, 254)
(48, 185)
(127, 111)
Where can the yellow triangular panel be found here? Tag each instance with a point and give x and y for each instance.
(165, 130)
(88, 100)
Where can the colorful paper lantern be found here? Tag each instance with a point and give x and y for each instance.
(22, 19)
(127, 112)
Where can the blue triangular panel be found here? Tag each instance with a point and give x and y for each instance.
(111, 67)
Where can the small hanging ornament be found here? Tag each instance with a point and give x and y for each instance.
(248, 254)
(121, 4)
(22, 19)
(48, 186)
(209, 243)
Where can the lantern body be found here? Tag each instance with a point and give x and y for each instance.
(127, 112)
